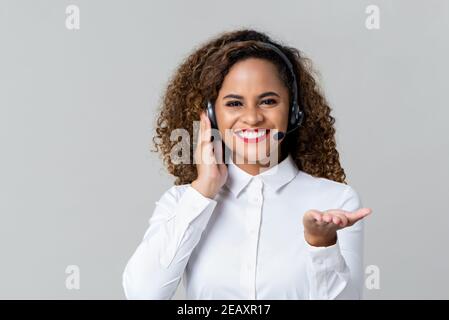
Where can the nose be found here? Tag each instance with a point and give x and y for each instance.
(252, 115)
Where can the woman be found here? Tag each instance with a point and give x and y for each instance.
(276, 220)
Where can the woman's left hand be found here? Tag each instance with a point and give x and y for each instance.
(320, 228)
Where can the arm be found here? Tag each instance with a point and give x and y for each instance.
(335, 270)
(156, 267)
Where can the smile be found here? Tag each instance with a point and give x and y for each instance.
(252, 135)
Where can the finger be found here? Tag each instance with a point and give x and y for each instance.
(316, 215)
(206, 128)
(201, 136)
(336, 211)
(336, 220)
(343, 220)
(218, 151)
(197, 153)
(207, 121)
(313, 216)
(362, 211)
(337, 217)
(327, 217)
(204, 146)
(355, 216)
(208, 153)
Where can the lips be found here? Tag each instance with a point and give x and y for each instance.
(252, 135)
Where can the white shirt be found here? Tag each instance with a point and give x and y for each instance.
(248, 242)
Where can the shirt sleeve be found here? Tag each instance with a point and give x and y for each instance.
(157, 265)
(336, 272)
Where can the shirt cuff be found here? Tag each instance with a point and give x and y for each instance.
(326, 258)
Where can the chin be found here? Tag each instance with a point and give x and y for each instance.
(253, 156)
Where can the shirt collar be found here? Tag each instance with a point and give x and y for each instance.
(274, 177)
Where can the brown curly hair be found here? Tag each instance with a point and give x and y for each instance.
(199, 78)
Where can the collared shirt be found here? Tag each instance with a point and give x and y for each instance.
(248, 241)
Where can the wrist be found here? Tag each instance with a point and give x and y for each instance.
(319, 240)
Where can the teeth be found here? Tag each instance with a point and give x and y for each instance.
(251, 134)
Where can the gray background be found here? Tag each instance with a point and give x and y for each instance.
(78, 182)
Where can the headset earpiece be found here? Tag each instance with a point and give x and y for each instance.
(296, 117)
(211, 115)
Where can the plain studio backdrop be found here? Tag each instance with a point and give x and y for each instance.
(78, 182)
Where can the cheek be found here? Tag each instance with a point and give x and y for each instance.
(278, 118)
(226, 120)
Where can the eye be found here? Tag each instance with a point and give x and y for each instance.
(233, 103)
(269, 101)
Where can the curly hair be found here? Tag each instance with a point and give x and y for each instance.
(199, 78)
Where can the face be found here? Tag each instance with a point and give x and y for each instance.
(251, 107)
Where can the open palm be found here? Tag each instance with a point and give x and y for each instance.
(320, 227)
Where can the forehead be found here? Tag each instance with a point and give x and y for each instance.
(253, 74)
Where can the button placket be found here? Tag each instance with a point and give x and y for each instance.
(254, 218)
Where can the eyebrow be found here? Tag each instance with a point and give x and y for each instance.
(265, 94)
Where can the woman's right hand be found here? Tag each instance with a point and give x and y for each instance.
(211, 175)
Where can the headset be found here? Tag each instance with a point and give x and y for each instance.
(296, 114)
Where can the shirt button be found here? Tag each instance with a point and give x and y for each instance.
(255, 199)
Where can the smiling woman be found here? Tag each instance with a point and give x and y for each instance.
(201, 76)
(288, 228)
